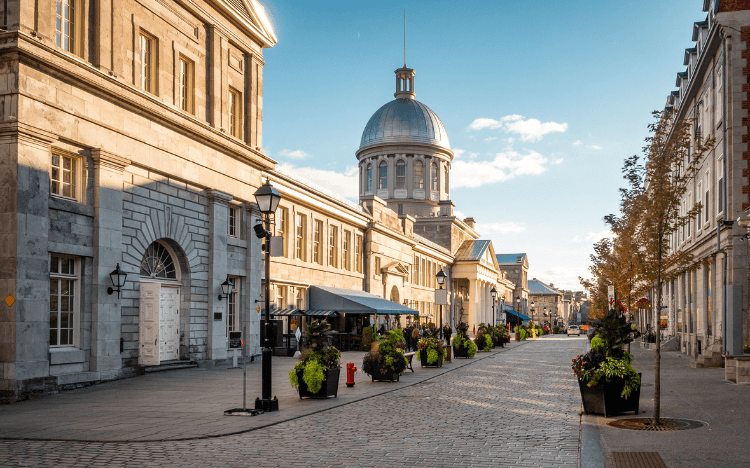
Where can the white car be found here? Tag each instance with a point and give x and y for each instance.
(574, 330)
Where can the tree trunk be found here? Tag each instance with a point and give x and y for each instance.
(657, 355)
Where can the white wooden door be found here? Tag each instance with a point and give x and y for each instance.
(148, 325)
(169, 323)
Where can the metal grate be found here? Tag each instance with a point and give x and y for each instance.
(637, 460)
(647, 424)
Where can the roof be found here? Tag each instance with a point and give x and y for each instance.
(350, 301)
(405, 121)
(521, 316)
(472, 250)
(510, 258)
(536, 287)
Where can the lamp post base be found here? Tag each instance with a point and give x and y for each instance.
(267, 404)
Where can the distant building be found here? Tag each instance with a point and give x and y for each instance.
(548, 303)
(516, 269)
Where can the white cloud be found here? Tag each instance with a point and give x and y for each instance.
(595, 147)
(505, 166)
(558, 161)
(344, 183)
(529, 129)
(594, 236)
(457, 153)
(296, 154)
(577, 142)
(561, 277)
(459, 214)
(501, 228)
(490, 138)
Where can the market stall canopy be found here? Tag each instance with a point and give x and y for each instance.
(349, 301)
(516, 314)
(295, 312)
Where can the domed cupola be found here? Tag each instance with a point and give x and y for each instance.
(404, 154)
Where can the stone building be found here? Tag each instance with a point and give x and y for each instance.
(132, 137)
(548, 304)
(707, 322)
(516, 270)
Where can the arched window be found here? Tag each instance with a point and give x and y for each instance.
(401, 174)
(434, 177)
(369, 177)
(418, 175)
(158, 263)
(445, 179)
(383, 176)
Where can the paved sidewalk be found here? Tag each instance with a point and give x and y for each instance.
(189, 404)
(687, 393)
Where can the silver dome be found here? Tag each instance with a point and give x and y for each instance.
(405, 121)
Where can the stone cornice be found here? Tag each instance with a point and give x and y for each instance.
(13, 129)
(217, 196)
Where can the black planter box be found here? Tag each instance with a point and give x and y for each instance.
(439, 363)
(379, 377)
(329, 388)
(461, 352)
(605, 398)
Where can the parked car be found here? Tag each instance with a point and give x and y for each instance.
(574, 330)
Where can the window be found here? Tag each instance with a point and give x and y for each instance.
(401, 174)
(233, 307)
(345, 259)
(146, 72)
(415, 269)
(63, 300)
(300, 236)
(383, 176)
(377, 266)
(423, 275)
(233, 221)
(419, 175)
(235, 113)
(318, 242)
(445, 179)
(280, 297)
(369, 177)
(300, 299)
(698, 223)
(434, 175)
(720, 185)
(64, 176)
(65, 25)
(719, 100)
(333, 235)
(358, 253)
(706, 204)
(282, 221)
(186, 85)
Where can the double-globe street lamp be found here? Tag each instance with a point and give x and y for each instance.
(268, 199)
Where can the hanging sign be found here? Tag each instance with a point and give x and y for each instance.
(611, 294)
(257, 308)
(10, 300)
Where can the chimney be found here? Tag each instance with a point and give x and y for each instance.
(470, 222)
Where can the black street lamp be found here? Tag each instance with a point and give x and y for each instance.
(440, 277)
(493, 293)
(268, 199)
(226, 288)
(502, 309)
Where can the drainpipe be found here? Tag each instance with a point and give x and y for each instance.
(726, 44)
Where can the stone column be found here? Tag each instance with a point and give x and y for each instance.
(473, 302)
(253, 283)
(24, 257)
(718, 292)
(106, 312)
(214, 62)
(217, 272)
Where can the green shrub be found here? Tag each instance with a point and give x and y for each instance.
(597, 343)
(472, 349)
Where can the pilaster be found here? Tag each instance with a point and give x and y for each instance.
(253, 284)
(106, 310)
(217, 272)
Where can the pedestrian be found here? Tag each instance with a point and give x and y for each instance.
(474, 330)
(414, 337)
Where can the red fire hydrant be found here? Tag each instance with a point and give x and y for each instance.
(350, 370)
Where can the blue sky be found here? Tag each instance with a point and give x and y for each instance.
(542, 101)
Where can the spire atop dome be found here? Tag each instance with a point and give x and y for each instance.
(405, 84)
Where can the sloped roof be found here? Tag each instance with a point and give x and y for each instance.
(472, 250)
(350, 301)
(510, 258)
(537, 287)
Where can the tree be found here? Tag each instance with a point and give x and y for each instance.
(652, 213)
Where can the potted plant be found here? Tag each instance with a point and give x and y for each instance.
(368, 336)
(607, 381)
(317, 373)
(386, 363)
(462, 345)
(483, 339)
(430, 350)
(498, 335)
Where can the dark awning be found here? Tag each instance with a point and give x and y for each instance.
(319, 313)
(349, 301)
(286, 312)
(521, 316)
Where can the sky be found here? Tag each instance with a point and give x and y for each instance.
(542, 101)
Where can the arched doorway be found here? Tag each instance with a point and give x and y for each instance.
(395, 295)
(159, 317)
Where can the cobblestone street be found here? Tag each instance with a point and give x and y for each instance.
(514, 408)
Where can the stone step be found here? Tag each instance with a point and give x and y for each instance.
(170, 366)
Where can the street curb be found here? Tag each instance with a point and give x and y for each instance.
(469, 362)
(589, 445)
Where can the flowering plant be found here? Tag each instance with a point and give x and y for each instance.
(430, 348)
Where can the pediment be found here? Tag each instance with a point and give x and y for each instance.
(254, 16)
(396, 269)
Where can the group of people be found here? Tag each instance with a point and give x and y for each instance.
(413, 333)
